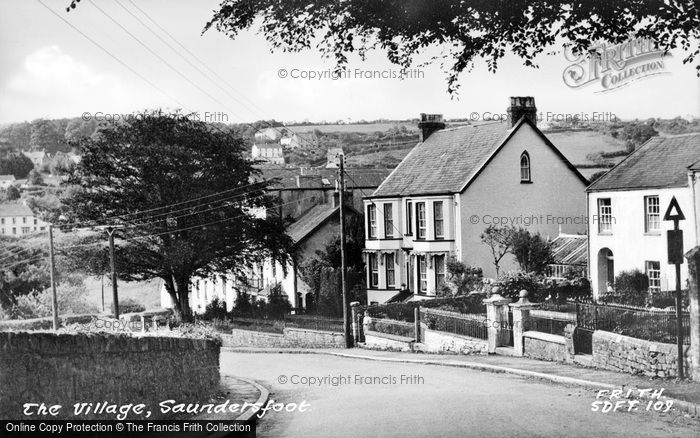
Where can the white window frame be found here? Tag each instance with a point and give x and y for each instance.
(654, 274)
(421, 223)
(604, 215)
(439, 265)
(423, 273)
(372, 221)
(373, 270)
(652, 214)
(388, 220)
(525, 168)
(390, 267)
(438, 207)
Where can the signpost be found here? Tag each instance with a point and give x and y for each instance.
(675, 257)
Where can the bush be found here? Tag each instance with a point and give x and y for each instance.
(216, 309)
(578, 288)
(631, 288)
(72, 299)
(461, 278)
(405, 311)
(130, 305)
(511, 283)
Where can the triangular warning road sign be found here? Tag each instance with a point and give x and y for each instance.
(674, 212)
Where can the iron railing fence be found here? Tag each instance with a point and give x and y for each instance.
(636, 322)
(465, 324)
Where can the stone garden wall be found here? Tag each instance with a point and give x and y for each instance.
(630, 355)
(63, 369)
(291, 338)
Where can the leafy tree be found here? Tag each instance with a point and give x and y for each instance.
(194, 187)
(278, 303)
(17, 164)
(34, 178)
(45, 136)
(499, 240)
(532, 252)
(12, 193)
(461, 278)
(466, 30)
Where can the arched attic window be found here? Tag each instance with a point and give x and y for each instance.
(525, 174)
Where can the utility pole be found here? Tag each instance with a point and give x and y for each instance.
(346, 306)
(115, 295)
(54, 297)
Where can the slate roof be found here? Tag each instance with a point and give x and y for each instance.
(445, 162)
(310, 221)
(12, 209)
(570, 249)
(661, 162)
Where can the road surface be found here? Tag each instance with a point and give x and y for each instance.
(349, 397)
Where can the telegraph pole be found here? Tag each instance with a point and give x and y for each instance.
(54, 297)
(346, 309)
(115, 295)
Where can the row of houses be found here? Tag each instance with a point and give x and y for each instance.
(458, 181)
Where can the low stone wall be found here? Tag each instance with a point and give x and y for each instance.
(45, 323)
(630, 355)
(64, 369)
(545, 346)
(440, 342)
(383, 341)
(291, 338)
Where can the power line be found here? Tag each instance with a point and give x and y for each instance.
(109, 53)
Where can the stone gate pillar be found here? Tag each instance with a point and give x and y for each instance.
(693, 257)
(497, 320)
(521, 319)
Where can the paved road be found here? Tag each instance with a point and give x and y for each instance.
(437, 401)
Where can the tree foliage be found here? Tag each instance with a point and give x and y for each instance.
(14, 163)
(197, 193)
(464, 30)
(499, 240)
(532, 251)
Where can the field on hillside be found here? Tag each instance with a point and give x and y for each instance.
(575, 145)
(144, 292)
(363, 128)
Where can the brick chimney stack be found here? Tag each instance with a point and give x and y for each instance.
(430, 123)
(522, 106)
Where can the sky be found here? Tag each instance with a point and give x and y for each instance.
(49, 70)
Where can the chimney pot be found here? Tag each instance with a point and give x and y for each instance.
(430, 123)
(522, 106)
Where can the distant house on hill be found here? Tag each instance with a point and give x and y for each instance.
(270, 152)
(268, 135)
(300, 140)
(17, 219)
(39, 158)
(6, 181)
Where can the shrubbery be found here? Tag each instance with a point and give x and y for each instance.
(72, 299)
(130, 305)
(631, 288)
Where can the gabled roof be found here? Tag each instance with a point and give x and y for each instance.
(14, 209)
(661, 162)
(450, 159)
(310, 221)
(569, 249)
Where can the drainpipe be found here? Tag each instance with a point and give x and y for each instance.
(588, 245)
(692, 181)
